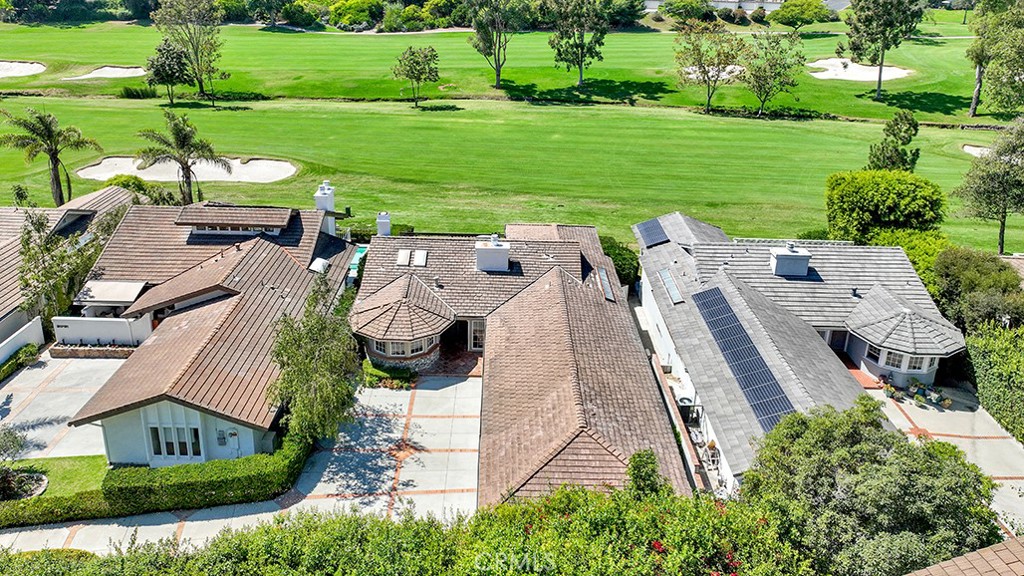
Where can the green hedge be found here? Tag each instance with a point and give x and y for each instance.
(626, 261)
(137, 490)
(214, 483)
(387, 376)
(25, 355)
(997, 356)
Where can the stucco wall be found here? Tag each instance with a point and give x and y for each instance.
(76, 330)
(28, 333)
(124, 439)
(12, 323)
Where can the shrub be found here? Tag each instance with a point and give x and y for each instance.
(657, 17)
(138, 93)
(156, 194)
(363, 233)
(683, 10)
(414, 19)
(626, 261)
(392, 19)
(455, 12)
(387, 376)
(997, 356)
(47, 509)
(813, 234)
(973, 287)
(739, 16)
(301, 13)
(726, 15)
(355, 12)
(234, 10)
(922, 248)
(25, 356)
(625, 12)
(759, 16)
(859, 203)
(137, 490)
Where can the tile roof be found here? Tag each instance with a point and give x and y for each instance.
(452, 260)
(10, 276)
(891, 321)
(149, 246)
(208, 276)
(216, 357)
(568, 393)
(1003, 559)
(220, 214)
(407, 309)
(687, 231)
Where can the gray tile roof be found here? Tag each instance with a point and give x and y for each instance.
(890, 321)
(687, 231)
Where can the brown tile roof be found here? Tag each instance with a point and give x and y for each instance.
(206, 277)
(407, 309)
(452, 260)
(216, 357)
(149, 246)
(101, 201)
(219, 214)
(10, 277)
(1003, 559)
(568, 393)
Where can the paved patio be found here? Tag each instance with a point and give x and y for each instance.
(41, 398)
(967, 425)
(407, 450)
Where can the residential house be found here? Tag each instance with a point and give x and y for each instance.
(1003, 559)
(568, 391)
(752, 330)
(215, 279)
(76, 216)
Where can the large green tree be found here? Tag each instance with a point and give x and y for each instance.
(193, 26)
(320, 367)
(772, 65)
(994, 186)
(266, 10)
(799, 13)
(877, 26)
(495, 23)
(41, 134)
(417, 66)
(974, 287)
(892, 153)
(859, 204)
(181, 145)
(168, 68)
(580, 28)
(1004, 46)
(863, 500)
(992, 19)
(708, 55)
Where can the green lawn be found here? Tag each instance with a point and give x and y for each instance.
(487, 163)
(68, 475)
(638, 68)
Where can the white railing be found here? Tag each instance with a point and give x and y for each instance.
(31, 333)
(80, 331)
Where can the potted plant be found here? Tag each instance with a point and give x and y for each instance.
(889, 390)
(919, 399)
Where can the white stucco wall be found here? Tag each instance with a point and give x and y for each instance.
(124, 439)
(11, 323)
(30, 332)
(75, 330)
(856, 348)
(661, 338)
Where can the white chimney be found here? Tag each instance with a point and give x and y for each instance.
(790, 261)
(324, 198)
(383, 224)
(491, 254)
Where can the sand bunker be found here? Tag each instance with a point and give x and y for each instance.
(254, 171)
(844, 69)
(977, 151)
(112, 72)
(10, 69)
(729, 72)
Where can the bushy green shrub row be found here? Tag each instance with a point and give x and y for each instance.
(387, 376)
(997, 355)
(626, 261)
(858, 204)
(48, 509)
(25, 355)
(217, 482)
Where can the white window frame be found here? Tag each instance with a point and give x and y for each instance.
(170, 420)
(483, 334)
(876, 351)
(416, 347)
(919, 360)
(380, 347)
(398, 349)
(933, 362)
(888, 360)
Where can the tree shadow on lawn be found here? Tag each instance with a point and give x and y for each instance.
(627, 92)
(935, 102)
(928, 41)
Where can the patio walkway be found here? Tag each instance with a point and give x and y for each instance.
(971, 428)
(866, 381)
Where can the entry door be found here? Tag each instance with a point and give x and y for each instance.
(476, 335)
(838, 340)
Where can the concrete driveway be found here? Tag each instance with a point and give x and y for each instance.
(967, 425)
(41, 398)
(411, 450)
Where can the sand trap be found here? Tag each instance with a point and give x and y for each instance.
(844, 69)
(10, 69)
(112, 72)
(977, 151)
(255, 171)
(729, 72)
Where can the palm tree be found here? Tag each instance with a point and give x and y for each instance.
(181, 146)
(41, 134)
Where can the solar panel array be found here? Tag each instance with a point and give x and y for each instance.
(670, 286)
(652, 233)
(606, 284)
(763, 392)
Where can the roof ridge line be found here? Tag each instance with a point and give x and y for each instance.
(600, 439)
(574, 381)
(547, 457)
(202, 345)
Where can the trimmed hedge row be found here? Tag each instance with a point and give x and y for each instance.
(214, 483)
(138, 490)
(25, 355)
(997, 356)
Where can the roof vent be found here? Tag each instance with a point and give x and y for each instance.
(853, 292)
(491, 254)
(790, 261)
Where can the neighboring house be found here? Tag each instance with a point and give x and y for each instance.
(1003, 559)
(751, 330)
(568, 391)
(74, 216)
(215, 279)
